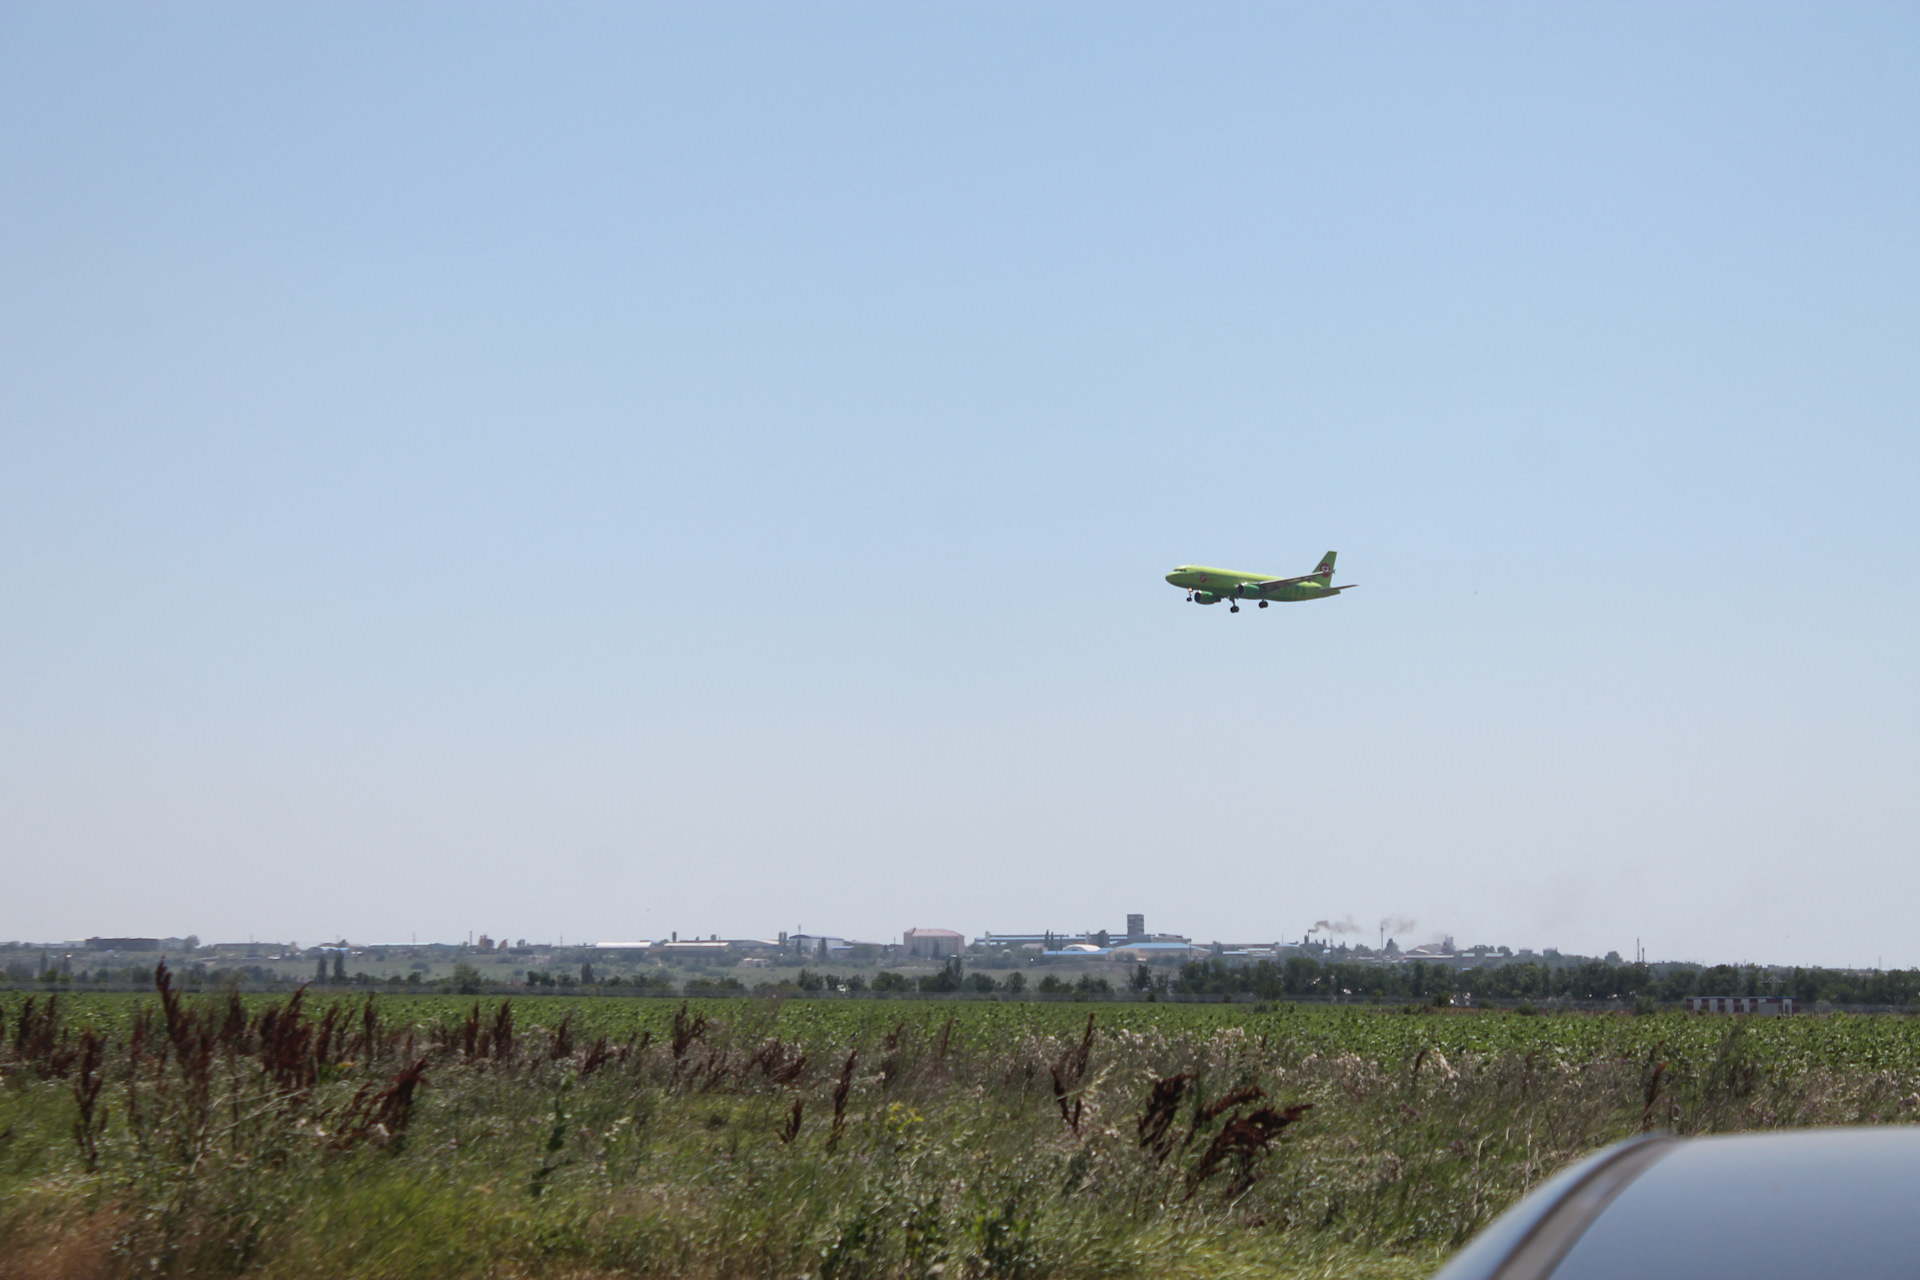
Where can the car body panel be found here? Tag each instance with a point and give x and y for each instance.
(1805, 1204)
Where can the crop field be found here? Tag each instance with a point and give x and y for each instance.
(444, 1136)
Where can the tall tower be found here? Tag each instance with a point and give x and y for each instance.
(1136, 927)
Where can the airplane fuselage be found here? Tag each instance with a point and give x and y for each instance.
(1229, 584)
(1208, 585)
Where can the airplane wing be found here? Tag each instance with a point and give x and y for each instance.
(1283, 582)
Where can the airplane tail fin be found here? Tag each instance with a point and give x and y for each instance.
(1323, 572)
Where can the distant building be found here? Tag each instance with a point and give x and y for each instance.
(123, 944)
(1136, 933)
(813, 946)
(692, 947)
(1765, 1006)
(1158, 950)
(1045, 941)
(932, 944)
(248, 950)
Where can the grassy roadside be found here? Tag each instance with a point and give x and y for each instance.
(207, 1136)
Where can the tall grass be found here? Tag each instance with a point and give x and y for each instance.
(216, 1137)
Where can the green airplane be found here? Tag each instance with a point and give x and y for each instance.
(1205, 585)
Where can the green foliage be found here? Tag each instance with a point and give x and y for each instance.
(1542, 980)
(439, 1136)
(948, 979)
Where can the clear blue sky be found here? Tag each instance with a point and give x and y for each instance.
(603, 470)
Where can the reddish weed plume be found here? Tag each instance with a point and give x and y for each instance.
(40, 1041)
(381, 1116)
(193, 1040)
(1067, 1074)
(23, 1028)
(779, 1062)
(840, 1091)
(497, 1041)
(1215, 1109)
(1243, 1139)
(1156, 1120)
(286, 1045)
(137, 1037)
(468, 1036)
(177, 1018)
(235, 1039)
(1656, 1085)
(367, 1043)
(87, 1081)
(686, 1030)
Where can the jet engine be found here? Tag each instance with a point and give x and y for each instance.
(1205, 597)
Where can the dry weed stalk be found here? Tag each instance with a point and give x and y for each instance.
(1068, 1073)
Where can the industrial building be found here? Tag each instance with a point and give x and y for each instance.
(1134, 935)
(932, 944)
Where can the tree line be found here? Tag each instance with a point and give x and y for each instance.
(1297, 978)
(1304, 977)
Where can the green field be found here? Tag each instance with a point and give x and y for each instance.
(433, 1136)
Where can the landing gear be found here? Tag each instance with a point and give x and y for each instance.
(1235, 609)
(1263, 604)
